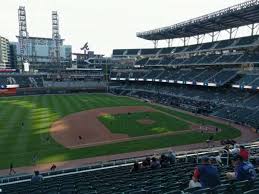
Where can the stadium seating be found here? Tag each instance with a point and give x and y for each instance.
(133, 52)
(149, 51)
(255, 83)
(118, 52)
(246, 79)
(223, 76)
(115, 177)
(153, 62)
(217, 76)
(154, 74)
(165, 61)
(231, 104)
(142, 61)
(236, 43)
(228, 58)
(224, 43)
(166, 51)
(249, 58)
(205, 75)
(24, 81)
(192, 74)
(118, 179)
(247, 40)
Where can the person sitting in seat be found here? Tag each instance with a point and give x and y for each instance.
(235, 150)
(244, 170)
(135, 168)
(171, 157)
(194, 183)
(36, 178)
(244, 153)
(164, 162)
(155, 163)
(146, 163)
(207, 174)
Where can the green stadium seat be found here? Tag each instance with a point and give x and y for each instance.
(255, 191)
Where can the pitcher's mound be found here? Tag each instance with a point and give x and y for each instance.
(146, 121)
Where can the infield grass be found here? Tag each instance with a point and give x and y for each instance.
(130, 123)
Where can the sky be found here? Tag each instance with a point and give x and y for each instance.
(104, 24)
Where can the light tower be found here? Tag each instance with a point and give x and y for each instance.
(56, 39)
(23, 34)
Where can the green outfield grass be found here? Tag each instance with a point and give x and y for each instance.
(129, 123)
(19, 144)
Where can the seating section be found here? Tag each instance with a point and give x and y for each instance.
(255, 84)
(219, 77)
(165, 61)
(247, 40)
(211, 59)
(24, 81)
(224, 59)
(248, 80)
(237, 105)
(203, 77)
(246, 58)
(149, 51)
(142, 61)
(253, 102)
(153, 62)
(133, 51)
(118, 52)
(223, 76)
(223, 44)
(171, 179)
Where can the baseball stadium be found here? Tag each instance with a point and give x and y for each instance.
(176, 119)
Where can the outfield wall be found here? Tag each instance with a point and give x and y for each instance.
(37, 91)
(75, 84)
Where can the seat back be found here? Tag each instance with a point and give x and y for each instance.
(255, 191)
(202, 191)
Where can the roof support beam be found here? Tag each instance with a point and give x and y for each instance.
(155, 42)
(242, 18)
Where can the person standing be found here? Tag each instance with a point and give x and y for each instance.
(11, 170)
(34, 159)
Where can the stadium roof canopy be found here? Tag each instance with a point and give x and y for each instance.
(239, 15)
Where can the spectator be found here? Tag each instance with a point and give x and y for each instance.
(53, 167)
(171, 157)
(146, 163)
(244, 170)
(155, 163)
(207, 174)
(244, 153)
(36, 178)
(11, 170)
(164, 162)
(235, 150)
(194, 183)
(34, 159)
(135, 168)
